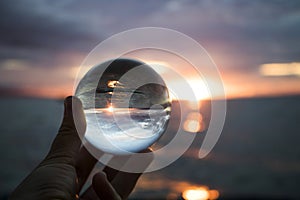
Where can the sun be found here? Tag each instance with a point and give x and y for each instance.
(196, 91)
(110, 109)
(199, 88)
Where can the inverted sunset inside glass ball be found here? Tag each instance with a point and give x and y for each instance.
(126, 104)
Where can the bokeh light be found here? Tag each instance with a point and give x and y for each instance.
(200, 193)
(194, 122)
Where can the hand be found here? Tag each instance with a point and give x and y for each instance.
(65, 169)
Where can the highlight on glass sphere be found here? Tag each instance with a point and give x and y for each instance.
(126, 104)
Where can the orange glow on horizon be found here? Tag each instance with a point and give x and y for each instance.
(280, 69)
(45, 92)
(46, 83)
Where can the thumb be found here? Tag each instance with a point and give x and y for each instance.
(67, 143)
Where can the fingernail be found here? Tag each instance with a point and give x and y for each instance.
(104, 174)
(68, 106)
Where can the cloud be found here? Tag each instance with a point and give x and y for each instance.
(39, 32)
(239, 35)
(256, 31)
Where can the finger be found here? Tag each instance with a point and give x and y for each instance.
(103, 188)
(84, 165)
(124, 182)
(118, 178)
(66, 145)
(117, 162)
(89, 194)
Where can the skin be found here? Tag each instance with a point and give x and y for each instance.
(63, 172)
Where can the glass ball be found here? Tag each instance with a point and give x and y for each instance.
(126, 104)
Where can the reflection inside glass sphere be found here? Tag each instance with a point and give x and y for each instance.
(127, 106)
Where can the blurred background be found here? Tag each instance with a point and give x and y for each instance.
(255, 45)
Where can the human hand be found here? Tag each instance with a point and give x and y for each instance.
(67, 166)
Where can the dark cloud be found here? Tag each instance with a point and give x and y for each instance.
(41, 31)
(42, 41)
(248, 33)
(245, 33)
(37, 31)
(32, 26)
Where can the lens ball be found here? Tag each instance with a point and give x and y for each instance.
(126, 104)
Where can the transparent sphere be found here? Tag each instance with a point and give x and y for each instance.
(126, 104)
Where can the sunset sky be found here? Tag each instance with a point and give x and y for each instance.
(255, 44)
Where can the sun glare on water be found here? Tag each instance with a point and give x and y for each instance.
(200, 193)
(194, 123)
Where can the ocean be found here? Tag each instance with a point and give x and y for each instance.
(256, 156)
